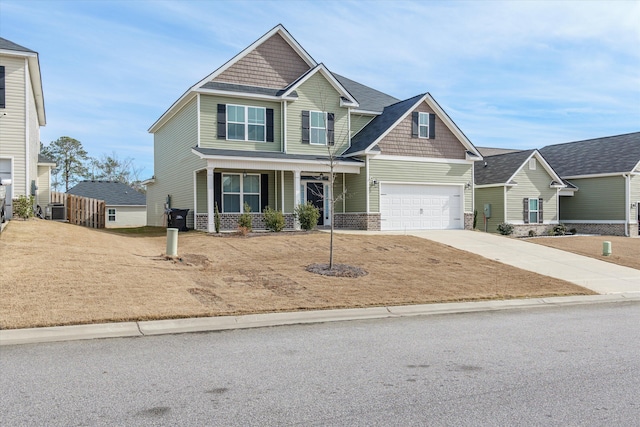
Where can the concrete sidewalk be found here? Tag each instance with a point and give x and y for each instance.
(599, 276)
(208, 324)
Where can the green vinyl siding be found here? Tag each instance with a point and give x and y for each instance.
(597, 199)
(337, 190)
(532, 184)
(174, 164)
(201, 191)
(316, 94)
(288, 192)
(495, 197)
(356, 187)
(419, 172)
(358, 121)
(209, 124)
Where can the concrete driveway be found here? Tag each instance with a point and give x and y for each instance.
(599, 276)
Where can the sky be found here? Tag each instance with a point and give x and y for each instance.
(511, 74)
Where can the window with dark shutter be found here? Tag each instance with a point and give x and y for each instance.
(305, 127)
(222, 121)
(414, 124)
(432, 126)
(2, 88)
(330, 126)
(264, 191)
(525, 214)
(269, 114)
(540, 210)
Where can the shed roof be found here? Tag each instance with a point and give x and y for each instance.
(113, 193)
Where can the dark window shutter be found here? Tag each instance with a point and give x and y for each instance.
(2, 88)
(264, 191)
(217, 190)
(330, 126)
(222, 121)
(540, 210)
(270, 125)
(305, 126)
(414, 124)
(525, 203)
(432, 126)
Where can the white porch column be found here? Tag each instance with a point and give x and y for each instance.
(210, 200)
(282, 190)
(297, 195)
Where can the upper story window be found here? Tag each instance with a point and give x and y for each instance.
(423, 125)
(245, 123)
(318, 127)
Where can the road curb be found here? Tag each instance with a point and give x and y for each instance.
(209, 324)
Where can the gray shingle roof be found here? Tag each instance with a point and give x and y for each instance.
(499, 168)
(368, 98)
(612, 154)
(44, 159)
(269, 155)
(380, 124)
(9, 45)
(113, 193)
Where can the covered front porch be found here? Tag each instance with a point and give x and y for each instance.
(233, 178)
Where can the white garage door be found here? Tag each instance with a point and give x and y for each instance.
(420, 207)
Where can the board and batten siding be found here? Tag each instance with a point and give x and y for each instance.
(532, 184)
(209, 124)
(174, 164)
(597, 199)
(495, 197)
(13, 134)
(316, 94)
(419, 172)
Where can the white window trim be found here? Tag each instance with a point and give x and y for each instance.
(420, 126)
(109, 214)
(311, 127)
(246, 123)
(241, 193)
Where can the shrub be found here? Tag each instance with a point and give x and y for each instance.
(216, 217)
(245, 219)
(505, 228)
(23, 207)
(308, 216)
(532, 233)
(273, 219)
(560, 230)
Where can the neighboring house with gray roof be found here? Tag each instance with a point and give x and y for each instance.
(124, 206)
(264, 128)
(605, 176)
(519, 188)
(21, 116)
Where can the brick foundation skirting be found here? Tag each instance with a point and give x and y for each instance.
(229, 221)
(468, 221)
(522, 230)
(603, 229)
(357, 221)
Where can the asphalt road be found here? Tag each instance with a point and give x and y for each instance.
(577, 365)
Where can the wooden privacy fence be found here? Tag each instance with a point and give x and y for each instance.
(82, 211)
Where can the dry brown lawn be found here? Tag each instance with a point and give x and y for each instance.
(58, 274)
(625, 250)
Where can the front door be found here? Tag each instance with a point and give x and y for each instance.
(315, 195)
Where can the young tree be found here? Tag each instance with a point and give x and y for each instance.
(70, 158)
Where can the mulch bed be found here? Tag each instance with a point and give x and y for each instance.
(338, 270)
